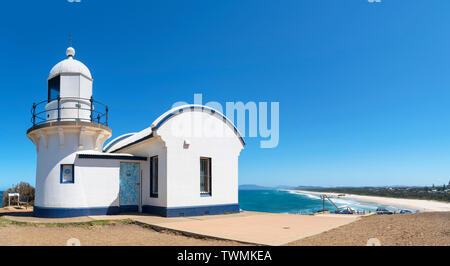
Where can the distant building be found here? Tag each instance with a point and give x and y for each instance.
(160, 170)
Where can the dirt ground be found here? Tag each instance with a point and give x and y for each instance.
(104, 235)
(421, 229)
(92, 233)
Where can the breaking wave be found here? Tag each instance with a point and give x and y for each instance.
(294, 201)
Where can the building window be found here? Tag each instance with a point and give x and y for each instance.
(53, 88)
(67, 173)
(205, 176)
(154, 176)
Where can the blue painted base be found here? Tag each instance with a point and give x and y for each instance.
(46, 212)
(129, 208)
(191, 210)
(156, 210)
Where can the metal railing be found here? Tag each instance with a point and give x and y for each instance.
(40, 114)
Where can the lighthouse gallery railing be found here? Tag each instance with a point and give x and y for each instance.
(40, 112)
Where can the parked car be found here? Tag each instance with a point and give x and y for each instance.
(383, 211)
(344, 211)
(405, 211)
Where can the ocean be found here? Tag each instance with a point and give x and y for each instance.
(291, 201)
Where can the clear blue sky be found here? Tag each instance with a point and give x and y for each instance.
(364, 88)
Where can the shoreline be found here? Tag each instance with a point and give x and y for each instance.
(416, 204)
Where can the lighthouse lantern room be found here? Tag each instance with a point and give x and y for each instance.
(69, 91)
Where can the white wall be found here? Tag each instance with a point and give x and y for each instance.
(96, 181)
(179, 165)
(70, 85)
(85, 87)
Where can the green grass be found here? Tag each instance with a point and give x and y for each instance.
(90, 224)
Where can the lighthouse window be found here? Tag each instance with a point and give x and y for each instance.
(154, 176)
(53, 88)
(67, 173)
(205, 176)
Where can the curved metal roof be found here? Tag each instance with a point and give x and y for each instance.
(116, 140)
(194, 107)
(147, 133)
(70, 65)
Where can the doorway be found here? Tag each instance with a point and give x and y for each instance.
(129, 187)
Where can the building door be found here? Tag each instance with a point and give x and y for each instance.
(129, 187)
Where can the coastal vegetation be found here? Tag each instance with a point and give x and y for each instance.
(25, 190)
(90, 224)
(440, 193)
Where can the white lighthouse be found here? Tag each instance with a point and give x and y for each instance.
(163, 169)
(67, 122)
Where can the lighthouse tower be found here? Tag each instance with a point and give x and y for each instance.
(67, 122)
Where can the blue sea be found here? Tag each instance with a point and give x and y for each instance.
(291, 201)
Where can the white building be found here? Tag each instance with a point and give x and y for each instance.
(184, 164)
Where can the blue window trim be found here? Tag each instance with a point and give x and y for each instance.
(112, 157)
(209, 194)
(153, 195)
(114, 141)
(61, 174)
(56, 81)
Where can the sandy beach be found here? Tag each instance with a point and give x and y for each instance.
(114, 234)
(420, 205)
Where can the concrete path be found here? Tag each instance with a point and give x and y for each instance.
(248, 227)
(260, 228)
